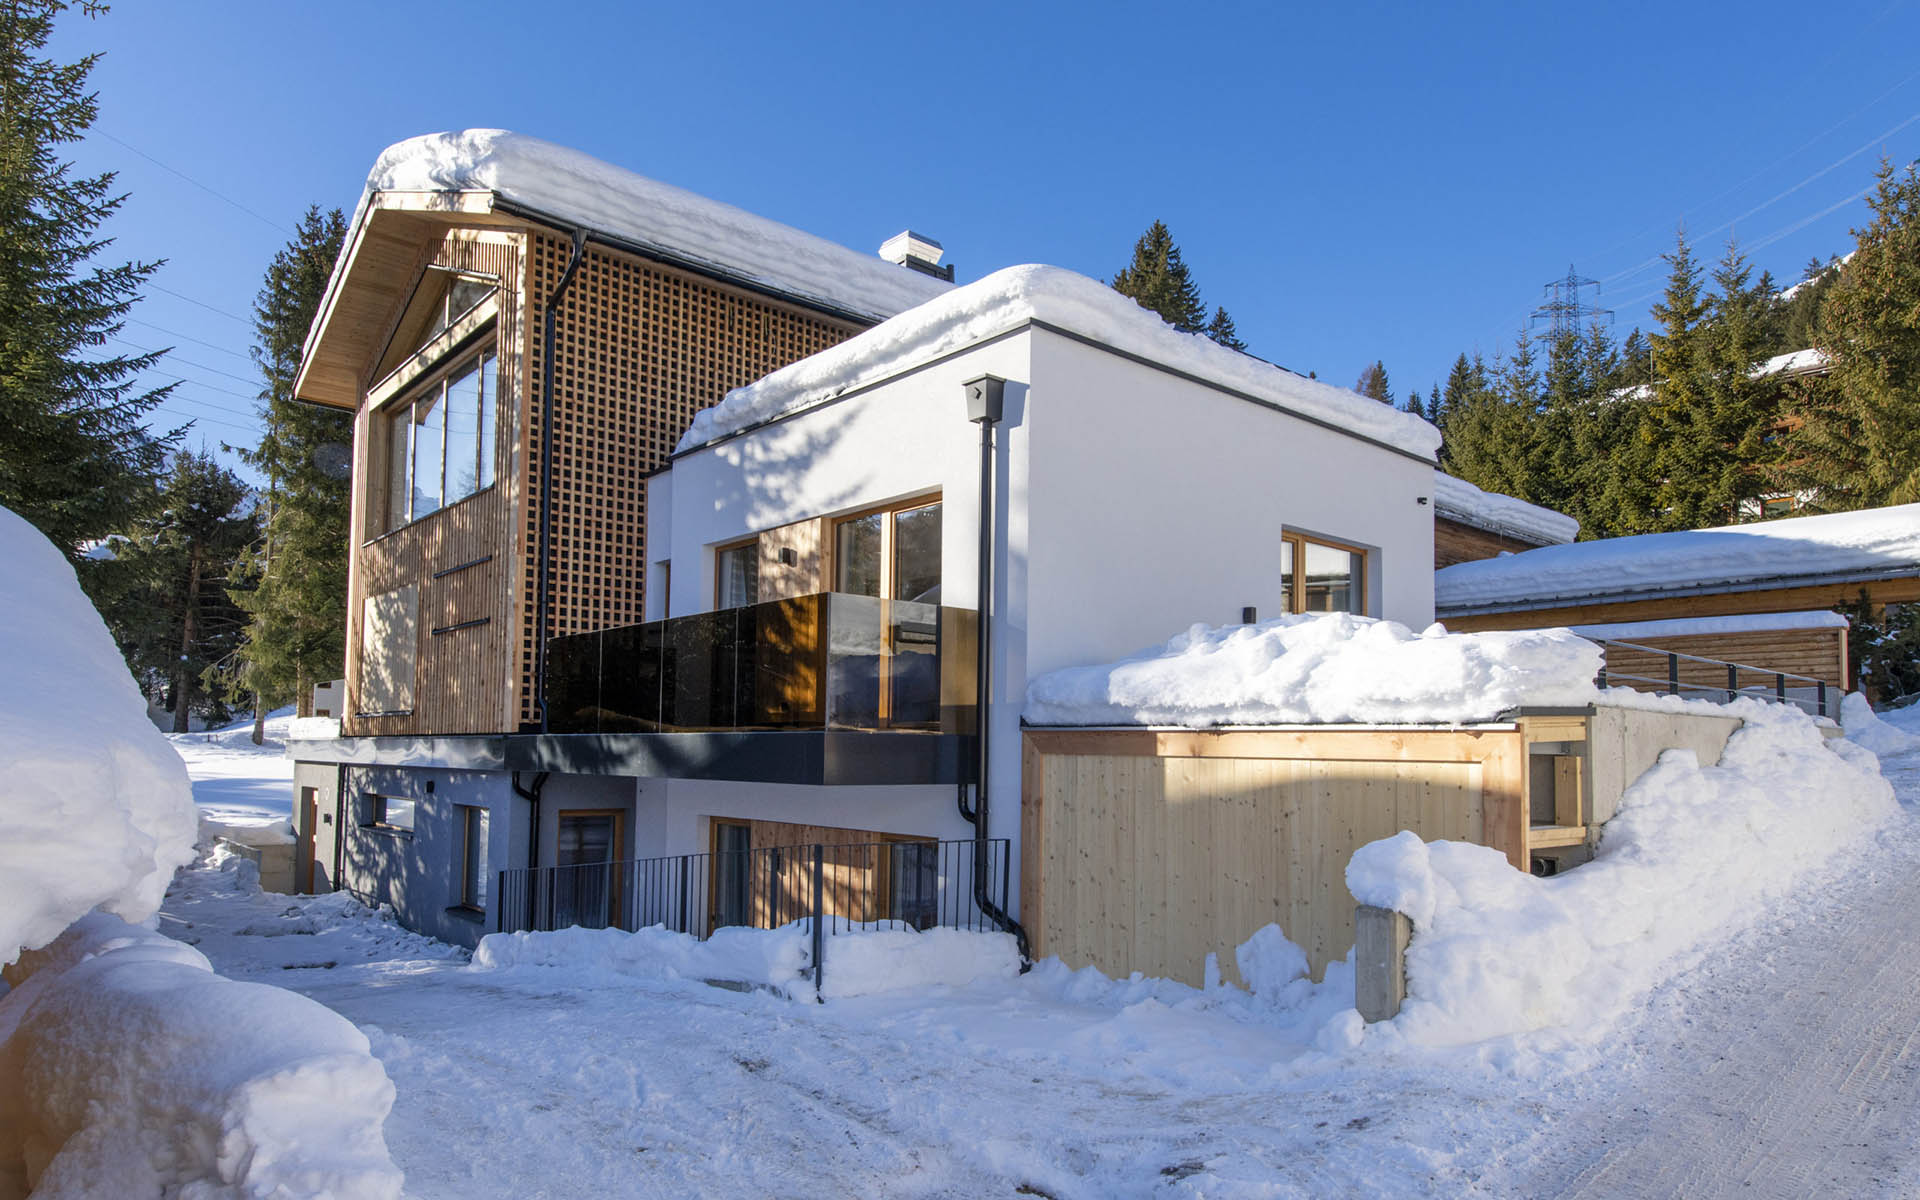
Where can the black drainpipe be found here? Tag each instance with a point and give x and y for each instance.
(532, 797)
(986, 397)
(542, 606)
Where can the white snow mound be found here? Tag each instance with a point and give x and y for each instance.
(1692, 854)
(860, 961)
(1865, 728)
(128, 1068)
(1322, 669)
(1014, 296)
(582, 190)
(97, 810)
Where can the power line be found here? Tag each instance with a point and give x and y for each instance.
(202, 303)
(175, 358)
(185, 337)
(214, 192)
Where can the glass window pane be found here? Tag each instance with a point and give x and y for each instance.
(1286, 575)
(916, 554)
(429, 432)
(463, 433)
(857, 555)
(1333, 577)
(399, 451)
(739, 575)
(475, 871)
(489, 418)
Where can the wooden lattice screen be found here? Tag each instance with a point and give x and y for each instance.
(638, 350)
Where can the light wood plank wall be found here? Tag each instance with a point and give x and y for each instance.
(1146, 851)
(461, 678)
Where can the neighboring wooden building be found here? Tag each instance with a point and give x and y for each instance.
(1723, 580)
(1470, 524)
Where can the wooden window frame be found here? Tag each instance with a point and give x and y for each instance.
(830, 550)
(1297, 592)
(753, 543)
(471, 348)
(376, 810)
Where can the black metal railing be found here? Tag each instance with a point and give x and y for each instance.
(835, 888)
(1719, 677)
(824, 661)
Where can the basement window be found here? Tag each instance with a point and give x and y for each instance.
(393, 813)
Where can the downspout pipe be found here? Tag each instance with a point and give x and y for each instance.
(986, 402)
(542, 600)
(532, 797)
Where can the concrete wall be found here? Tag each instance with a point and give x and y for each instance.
(1623, 743)
(674, 815)
(315, 833)
(418, 873)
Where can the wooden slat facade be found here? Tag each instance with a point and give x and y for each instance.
(1145, 850)
(640, 348)
(1816, 653)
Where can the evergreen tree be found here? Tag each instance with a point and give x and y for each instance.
(1373, 383)
(1221, 330)
(1636, 360)
(1800, 317)
(1857, 441)
(163, 591)
(75, 458)
(1683, 458)
(1158, 279)
(1487, 429)
(1743, 408)
(293, 584)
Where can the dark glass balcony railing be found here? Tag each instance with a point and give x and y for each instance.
(825, 661)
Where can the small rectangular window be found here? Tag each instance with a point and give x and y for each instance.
(737, 569)
(474, 870)
(389, 812)
(1320, 576)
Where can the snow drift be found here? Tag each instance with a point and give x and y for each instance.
(97, 809)
(859, 962)
(1865, 728)
(1322, 668)
(1689, 855)
(128, 1068)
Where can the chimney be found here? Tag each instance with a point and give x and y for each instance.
(917, 252)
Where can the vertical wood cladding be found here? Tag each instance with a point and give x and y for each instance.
(638, 350)
(462, 678)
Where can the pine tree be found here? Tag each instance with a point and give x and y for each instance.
(1683, 458)
(75, 458)
(163, 590)
(1221, 330)
(1158, 279)
(1373, 383)
(1486, 434)
(293, 584)
(1857, 441)
(1743, 408)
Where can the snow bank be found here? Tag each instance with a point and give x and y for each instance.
(128, 1068)
(1322, 668)
(1010, 298)
(859, 962)
(97, 810)
(1871, 540)
(1865, 728)
(1462, 501)
(1691, 853)
(677, 224)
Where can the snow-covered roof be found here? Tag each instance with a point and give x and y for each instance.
(1630, 631)
(1854, 545)
(1458, 500)
(1811, 361)
(578, 189)
(1053, 296)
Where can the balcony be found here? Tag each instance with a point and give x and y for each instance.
(824, 662)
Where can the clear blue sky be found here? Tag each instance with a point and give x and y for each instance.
(1351, 181)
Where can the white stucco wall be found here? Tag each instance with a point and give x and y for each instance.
(1131, 504)
(672, 816)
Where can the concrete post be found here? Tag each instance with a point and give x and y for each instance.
(1380, 938)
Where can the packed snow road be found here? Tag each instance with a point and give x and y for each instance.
(1778, 1062)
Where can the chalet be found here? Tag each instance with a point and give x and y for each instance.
(700, 567)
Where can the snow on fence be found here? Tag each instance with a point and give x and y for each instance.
(901, 884)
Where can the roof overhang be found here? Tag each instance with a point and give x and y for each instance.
(373, 278)
(1774, 583)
